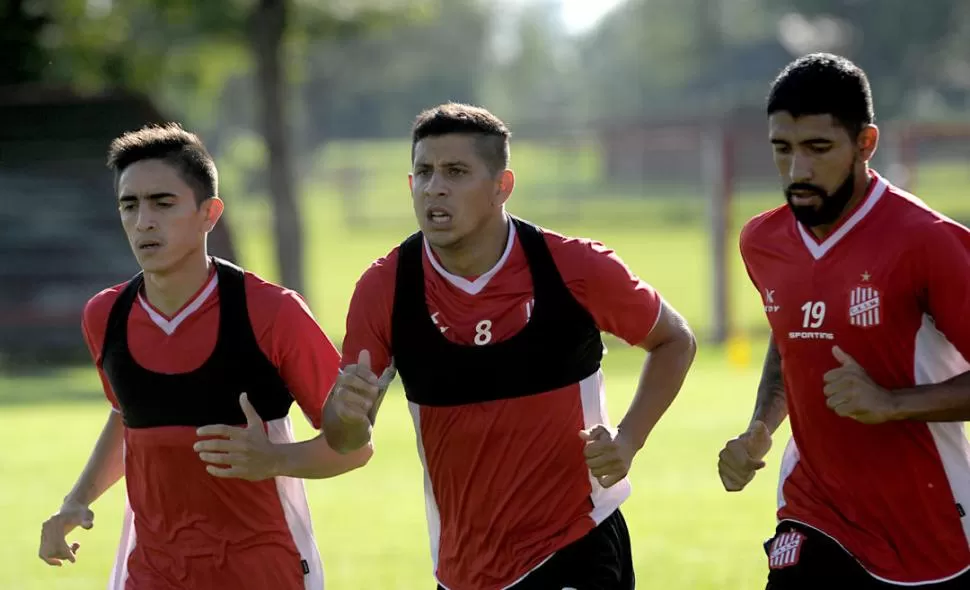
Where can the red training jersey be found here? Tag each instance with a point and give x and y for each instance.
(165, 545)
(891, 286)
(506, 483)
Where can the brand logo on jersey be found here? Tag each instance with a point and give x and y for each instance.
(864, 306)
(770, 306)
(785, 550)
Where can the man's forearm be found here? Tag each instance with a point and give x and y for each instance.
(948, 401)
(315, 459)
(105, 466)
(771, 406)
(662, 377)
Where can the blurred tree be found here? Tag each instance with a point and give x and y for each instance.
(372, 82)
(266, 25)
(670, 56)
(531, 85)
(192, 50)
(21, 53)
(640, 54)
(904, 46)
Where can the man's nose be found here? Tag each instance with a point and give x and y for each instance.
(436, 187)
(146, 218)
(801, 169)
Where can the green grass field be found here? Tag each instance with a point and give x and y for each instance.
(687, 533)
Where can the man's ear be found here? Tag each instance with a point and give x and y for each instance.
(213, 208)
(867, 142)
(505, 186)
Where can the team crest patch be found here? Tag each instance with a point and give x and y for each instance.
(864, 306)
(785, 550)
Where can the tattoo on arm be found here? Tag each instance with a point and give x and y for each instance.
(771, 406)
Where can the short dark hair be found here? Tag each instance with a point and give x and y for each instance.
(824, 84)
(176, 146)
(452, 117)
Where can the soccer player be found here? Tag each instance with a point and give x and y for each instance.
(494, 327)
(201, 363)
(867, 291)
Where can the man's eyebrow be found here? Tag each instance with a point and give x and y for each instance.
(151, 197)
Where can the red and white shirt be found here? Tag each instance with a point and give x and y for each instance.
(307, 361)
(506, 484)
(891, 286)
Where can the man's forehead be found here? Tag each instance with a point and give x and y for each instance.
(784, 125)
(151, 176)
(451, 147)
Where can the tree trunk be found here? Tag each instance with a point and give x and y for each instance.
(23, 58)
(267, 26)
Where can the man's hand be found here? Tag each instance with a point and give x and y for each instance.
(358, 390)
(53, 533)
(247, 452)
(608, 454)
(853, 394)
(741, 457)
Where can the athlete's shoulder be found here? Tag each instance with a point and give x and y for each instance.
(767, 225)
(371, 306)
(98, 307)
(265, 291)
(581, 258)
(570, 247)
(266, 299)
(385, 266)
(913, 216)
(381, 274)
(920, 232)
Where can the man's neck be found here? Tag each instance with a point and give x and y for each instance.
(169, 291)
(862, 184)
(477, 254)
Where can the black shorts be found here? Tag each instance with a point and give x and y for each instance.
(801, 558)
(601, 560)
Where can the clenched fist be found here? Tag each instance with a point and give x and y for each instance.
(608, 454)
(852, 393)
(741, 457)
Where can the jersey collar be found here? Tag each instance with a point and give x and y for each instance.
(476, 286)
(818, 248)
